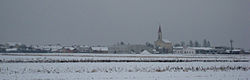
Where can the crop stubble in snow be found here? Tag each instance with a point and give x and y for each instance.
(198, 70)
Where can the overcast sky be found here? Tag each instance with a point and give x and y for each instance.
(106, 22)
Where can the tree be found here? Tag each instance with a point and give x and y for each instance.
(208, 44)
(191, 43)
(177, 45)
(231, 45)
(196, 44)
(204, 43)
(182, 43)
(122, 43)
(149, 45)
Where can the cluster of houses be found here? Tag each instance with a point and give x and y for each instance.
(207, 50)
(164, 46)
(160, 46)
(57, 48)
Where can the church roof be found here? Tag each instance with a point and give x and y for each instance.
(166, 41)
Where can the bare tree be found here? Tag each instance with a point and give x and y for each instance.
(196, 44)
(191, 43)
(182, 43)
(204, 43)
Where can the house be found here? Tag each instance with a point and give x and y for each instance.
(49, 48)
(99, 49)
(83, 49)
(178, 50)
(2, 48)
(200, 50)
(67, 49)
(197, 50)
(234, 51)
(247, 52)
(145, 52)
(130, 48)
(11, 50)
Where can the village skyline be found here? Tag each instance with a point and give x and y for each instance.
(124, 39)
(107, 22)
(160, 46)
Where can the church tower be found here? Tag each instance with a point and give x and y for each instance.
(159, 33)
(163, 45)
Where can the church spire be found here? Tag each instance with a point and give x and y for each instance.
(159, 29)
(159, 33)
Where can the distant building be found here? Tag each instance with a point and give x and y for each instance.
(49, 48)
(2, 48)
(197, 50)
(178, 50)
(235, 51)
(163, 46)
(99, 49)
(130, 48)
(145, 52)
(13, 44)
(67, 49)
(203, 50)
(247, 52)
(83, 49)
(12, 50)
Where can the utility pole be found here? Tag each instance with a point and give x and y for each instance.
(231, 46)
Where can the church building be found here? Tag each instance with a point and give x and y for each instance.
(162, 45)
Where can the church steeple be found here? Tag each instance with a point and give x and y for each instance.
(159, 33)
(159, 29)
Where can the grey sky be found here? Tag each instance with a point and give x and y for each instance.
(135, 21)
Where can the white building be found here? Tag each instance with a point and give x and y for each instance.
(52, 48)
(145, 52)
(234, 51)
(83, 49)
(197, 50)
(11, 49)
(178, 50)
(99, 49)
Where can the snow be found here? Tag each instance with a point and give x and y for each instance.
(145, 52)
(124, 70)
(201, 48)
(11, 49)
(49, 47)
(135, 76)
(166, 41)
(121, 71)
(100, 48)
(235, 50)
(69, 47)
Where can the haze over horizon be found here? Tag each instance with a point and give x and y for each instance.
(105, 22)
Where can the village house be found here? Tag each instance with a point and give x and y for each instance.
(197, 50)
(83, 49)
(99, 49)
(129, 48)
(67, 49)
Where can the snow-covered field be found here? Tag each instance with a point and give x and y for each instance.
(122, 70)
(83, 57)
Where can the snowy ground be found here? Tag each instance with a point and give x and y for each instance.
(124, 70)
